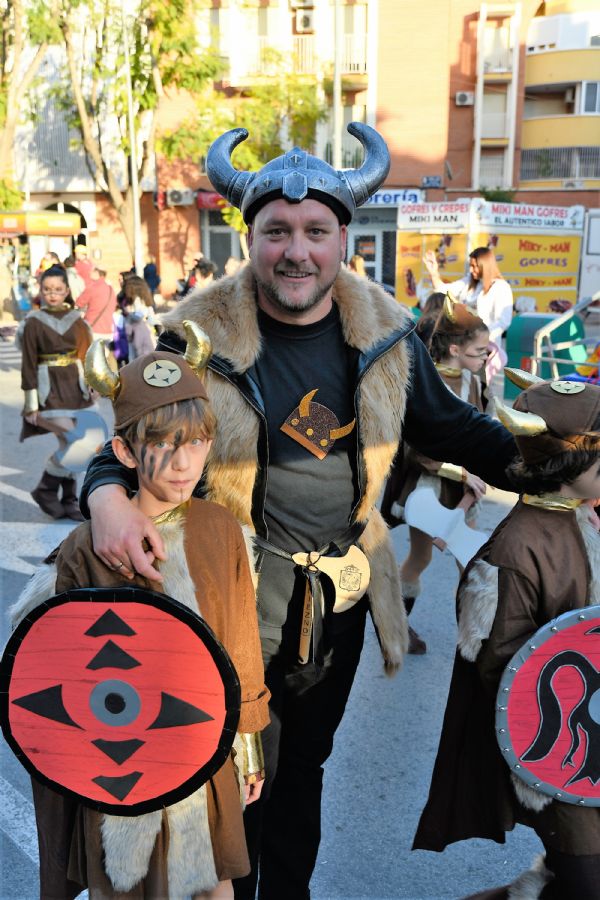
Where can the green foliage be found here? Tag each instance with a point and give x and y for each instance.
(281, 112)
(11, 198)
(233, 217)
(497, 195)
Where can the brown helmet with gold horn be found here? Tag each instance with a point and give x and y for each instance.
(153, 380)
(455, 318)
(549, 418)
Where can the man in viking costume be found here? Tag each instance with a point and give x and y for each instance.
(543, 560)
(164, 426)
(314, 372)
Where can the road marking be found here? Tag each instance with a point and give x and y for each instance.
(17, 820)
(16, 493)
(21, 541)
(4, 470)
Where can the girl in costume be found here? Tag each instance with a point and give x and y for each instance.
(458, 346)
(54, 341)
(164, 428)
(541, 561)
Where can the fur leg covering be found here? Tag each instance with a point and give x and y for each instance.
(38, 589)
(529, 885)
(385, 595)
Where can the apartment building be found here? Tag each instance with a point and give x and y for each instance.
(495, 95)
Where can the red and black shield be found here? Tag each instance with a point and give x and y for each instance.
(548, 709)
(123, 699)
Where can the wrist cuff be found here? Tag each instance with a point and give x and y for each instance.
(452, 472)
(252, 762)
(31, 403)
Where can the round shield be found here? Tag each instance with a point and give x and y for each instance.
(122, 698)
(83, 441)
(548, 709)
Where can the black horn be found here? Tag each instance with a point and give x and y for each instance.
(376, 165)
(226, 179)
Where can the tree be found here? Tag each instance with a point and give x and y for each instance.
(165, 53)
(27, 31)
(282, 112)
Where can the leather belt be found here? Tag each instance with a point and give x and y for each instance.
(312, 629)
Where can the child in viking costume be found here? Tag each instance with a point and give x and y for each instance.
(542, 561)
(54, 340)
(458, 345)
(164, 427)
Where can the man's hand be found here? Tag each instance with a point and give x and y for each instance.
(476, 485)
(118, 530)
(252, 791)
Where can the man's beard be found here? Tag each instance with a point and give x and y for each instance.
(282, 302)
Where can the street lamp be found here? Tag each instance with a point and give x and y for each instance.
(138, 258)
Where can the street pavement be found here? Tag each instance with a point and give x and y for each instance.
(377, 779)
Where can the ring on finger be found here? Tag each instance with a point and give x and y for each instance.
(118, 566)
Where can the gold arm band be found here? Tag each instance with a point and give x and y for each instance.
(452, 472)
(252, 763)
(31, 404)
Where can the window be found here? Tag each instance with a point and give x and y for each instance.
(560, 162)
(591, 97)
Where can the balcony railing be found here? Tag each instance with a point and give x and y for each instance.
(494, 125)
(352, 154)
(261, 57)
(560, 162)
(497, 60)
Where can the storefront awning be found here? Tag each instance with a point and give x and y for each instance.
(42, 222)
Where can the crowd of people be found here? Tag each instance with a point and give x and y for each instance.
(318, 387)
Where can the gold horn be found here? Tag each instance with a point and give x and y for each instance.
(304, 405)
(522, 378)
(199, 347)
(520, 423)
(98, 373)
(336, 433)
(449, 308)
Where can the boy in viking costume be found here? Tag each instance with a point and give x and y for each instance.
(542, 561)
(314, 371)
(458, 346)
(164, 428)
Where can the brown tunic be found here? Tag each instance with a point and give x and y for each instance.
(543, 571)
(41, 335)
(70, 841)
(410, 465)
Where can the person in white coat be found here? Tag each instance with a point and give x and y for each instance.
(483, 289)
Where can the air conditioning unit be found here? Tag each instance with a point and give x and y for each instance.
(570, 95)
(573, 184)
(180, 197)
(302, 4)
(305, 21)
(464, 98)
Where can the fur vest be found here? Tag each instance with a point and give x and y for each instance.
(374, 324)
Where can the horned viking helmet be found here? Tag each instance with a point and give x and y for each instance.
(297, 175)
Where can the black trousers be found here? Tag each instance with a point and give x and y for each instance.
(574, 876)
(283, 828)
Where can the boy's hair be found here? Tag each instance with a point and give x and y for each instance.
(192, 418)
(439, 342)
(548, 476)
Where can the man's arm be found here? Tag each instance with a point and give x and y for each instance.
(441, 426)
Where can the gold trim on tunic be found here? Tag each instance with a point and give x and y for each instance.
(448, 371)
(551, 501)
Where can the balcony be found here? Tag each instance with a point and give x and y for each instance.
(497, 62)
(260, 57)
(561, 131)
(494, 126)
(560, 163)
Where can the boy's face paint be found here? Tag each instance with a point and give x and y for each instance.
(586, 486)
(168, 471)
(473, 356)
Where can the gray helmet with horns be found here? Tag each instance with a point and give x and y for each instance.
(297, 175)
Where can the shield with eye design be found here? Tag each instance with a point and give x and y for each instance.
(121, 698)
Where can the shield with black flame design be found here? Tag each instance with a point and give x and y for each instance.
(121, 698)
(548, 709)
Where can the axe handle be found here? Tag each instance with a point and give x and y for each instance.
(466, 503)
